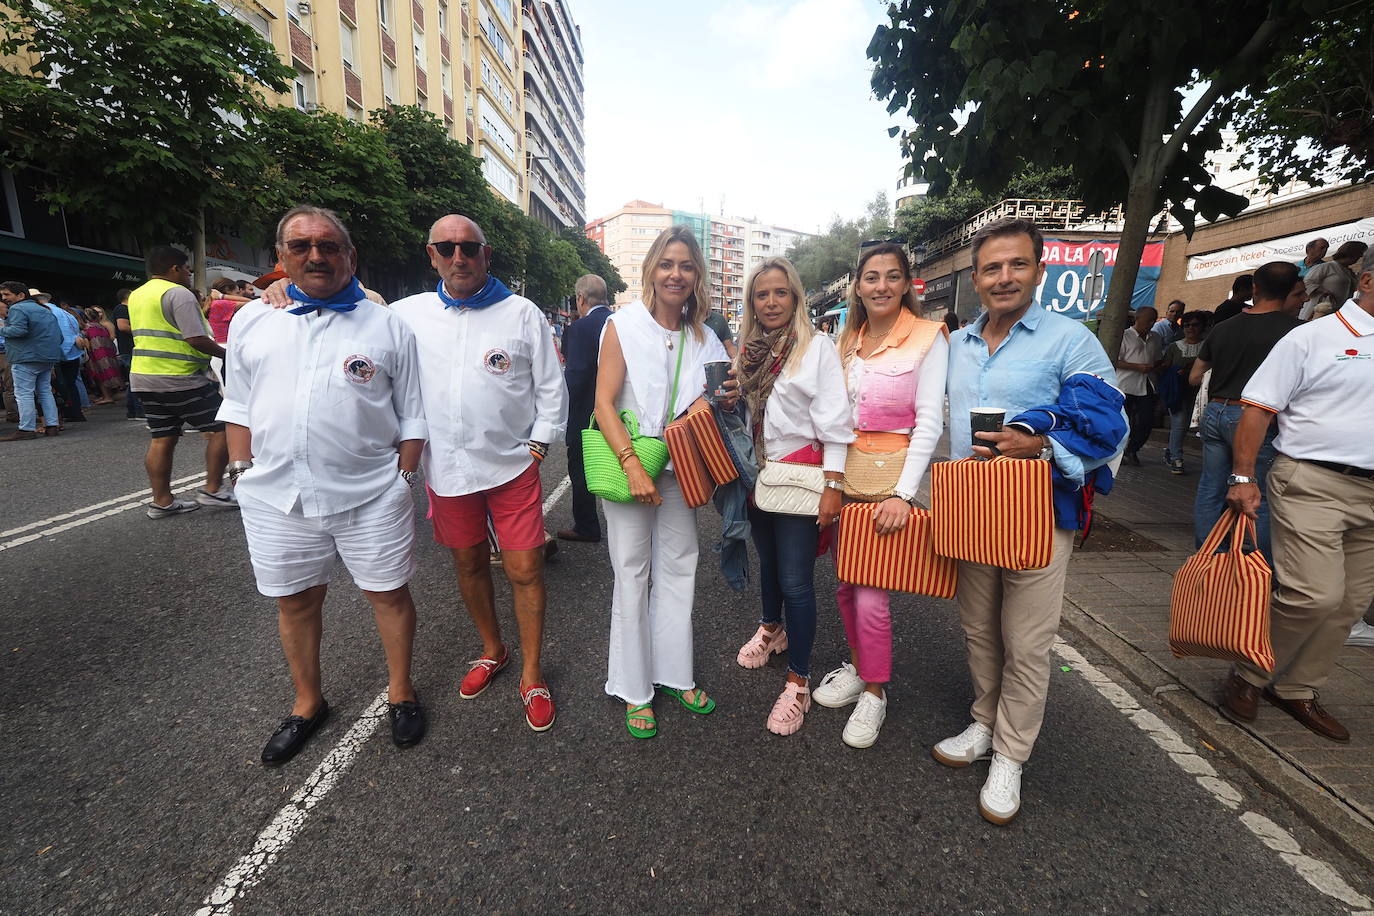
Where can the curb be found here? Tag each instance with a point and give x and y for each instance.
(1327, 814)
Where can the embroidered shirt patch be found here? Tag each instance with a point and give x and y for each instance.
(359, 369)
(496, 361)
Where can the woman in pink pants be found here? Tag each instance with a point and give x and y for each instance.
(894, 363)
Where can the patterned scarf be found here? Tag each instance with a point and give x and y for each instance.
(758, 370)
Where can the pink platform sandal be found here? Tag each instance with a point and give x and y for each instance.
(792, 704)
(755, 653)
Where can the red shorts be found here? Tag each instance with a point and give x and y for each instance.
(516, 510)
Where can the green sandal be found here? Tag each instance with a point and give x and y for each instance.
(702, 705)
(637, 712)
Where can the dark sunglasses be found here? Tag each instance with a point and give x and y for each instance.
(300, 247)
(869, 243)
(445, 249)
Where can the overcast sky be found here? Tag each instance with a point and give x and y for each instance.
(764, 104)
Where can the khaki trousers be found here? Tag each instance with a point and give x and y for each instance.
(1322, 526)
(7, 388)
(1010, 620)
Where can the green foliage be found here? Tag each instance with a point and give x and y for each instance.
(824, 258)
(594, 260)
(1315, 121)
(123, 109)
(933, 215)
(328, 160)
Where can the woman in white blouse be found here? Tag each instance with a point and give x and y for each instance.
(653, 354)
(793, 388)
(894, 363)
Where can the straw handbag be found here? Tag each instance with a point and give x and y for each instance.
(871, 477)
(999, 512)
(1220, 603)
(605, 475)
(904, 561)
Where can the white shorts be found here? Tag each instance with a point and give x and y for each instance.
(292, 553)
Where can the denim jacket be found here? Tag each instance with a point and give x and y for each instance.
(732, 499)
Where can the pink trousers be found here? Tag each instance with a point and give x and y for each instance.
(868, 628)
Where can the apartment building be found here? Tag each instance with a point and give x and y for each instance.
(732, 247)
(504, 76)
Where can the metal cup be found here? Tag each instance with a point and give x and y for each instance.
(986, 420)
(717, 373)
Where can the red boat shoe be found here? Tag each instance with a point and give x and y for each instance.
(539, 712)
(480, 674)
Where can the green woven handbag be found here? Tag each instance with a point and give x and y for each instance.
(605, 477)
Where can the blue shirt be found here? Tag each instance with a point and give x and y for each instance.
(1043, 349)
(70, 331)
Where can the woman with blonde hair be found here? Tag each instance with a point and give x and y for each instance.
(793, 386)
(652, 363)
(894, 363)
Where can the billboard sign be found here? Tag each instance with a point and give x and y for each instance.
(1078, 275)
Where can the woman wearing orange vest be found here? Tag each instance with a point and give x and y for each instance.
(894, 363)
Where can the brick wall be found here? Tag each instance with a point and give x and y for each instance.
(349, 8)
(301, 50)
(444, 51)
(353, 87)
(1316, 211)
(421, 82)
(388, 47)
(417, 12)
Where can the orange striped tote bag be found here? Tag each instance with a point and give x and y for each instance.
(1220, 603)
(998, 511)
(712, 447)
(688, 465)
(904, 561)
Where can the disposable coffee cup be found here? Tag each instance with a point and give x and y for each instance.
(717, 372)
(986, 420)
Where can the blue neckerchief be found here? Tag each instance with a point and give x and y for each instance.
(345, 300)
(494, 291)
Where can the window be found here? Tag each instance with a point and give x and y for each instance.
(498, 41)
(500, 177)
(446, 77)
(259, 23)
(504, 8)
(348, 42)
(498, 132)
(303, 87)
(418, 42)
(496, 87)
(355, 112)
(10, 222)
(384, 13)
(389, 82)
(443, 18)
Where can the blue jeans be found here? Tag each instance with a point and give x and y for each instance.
(1178, 422)
(787, 565)
(1218, 432)
(31, 379)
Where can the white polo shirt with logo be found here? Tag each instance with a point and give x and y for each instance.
(1319, 380)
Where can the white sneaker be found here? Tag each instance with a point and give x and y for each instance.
(1000, 798)
(1361, 634)
(839, 688)
(973, 743)
(865, 721)
(177, 507)
(223, 498)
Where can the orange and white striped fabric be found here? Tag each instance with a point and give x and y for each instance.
(904, 561)
(999, 512)
(1220, 603)
(712, 447)
(688, 465)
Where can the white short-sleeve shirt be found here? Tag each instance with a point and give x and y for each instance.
(1319, 380)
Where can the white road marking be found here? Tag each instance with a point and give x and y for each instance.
(277, 835)
(84, 516)
(1314, 871)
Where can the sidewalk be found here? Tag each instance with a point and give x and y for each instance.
(1123, 583)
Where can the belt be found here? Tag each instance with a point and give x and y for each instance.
(1346, 469)
(1227, 401)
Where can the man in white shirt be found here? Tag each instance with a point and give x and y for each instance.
(1317, 382)
(325, 427)
(1140, 355)
(495, 399)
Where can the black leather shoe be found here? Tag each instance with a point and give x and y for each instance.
(407, 722)
(286, 742)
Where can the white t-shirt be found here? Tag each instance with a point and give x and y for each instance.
(1319, 379)
(1149, 351)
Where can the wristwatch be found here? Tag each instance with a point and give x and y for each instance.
(1237, 479)
(1047, 451)
(409, 477)
(834, 485)
(236, 468)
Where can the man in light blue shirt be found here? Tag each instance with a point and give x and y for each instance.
(68, 372)
(1016, 356)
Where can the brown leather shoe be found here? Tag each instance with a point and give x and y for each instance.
(1310, 713)
(1240, 698)
(568, 534)
(19, 434)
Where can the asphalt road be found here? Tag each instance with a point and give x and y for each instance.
(142, 674)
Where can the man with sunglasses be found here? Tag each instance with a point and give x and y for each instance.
(325, 426)
(495, 399)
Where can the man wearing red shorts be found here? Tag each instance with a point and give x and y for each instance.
(494, 395)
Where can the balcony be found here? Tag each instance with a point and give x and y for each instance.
(1062, 215)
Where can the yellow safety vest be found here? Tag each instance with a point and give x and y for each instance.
(159, 348)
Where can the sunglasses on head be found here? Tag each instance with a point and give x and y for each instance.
(445, 249)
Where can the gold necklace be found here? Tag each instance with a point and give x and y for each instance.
(876, 336)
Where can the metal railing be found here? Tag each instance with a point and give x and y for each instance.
(1046, 214)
